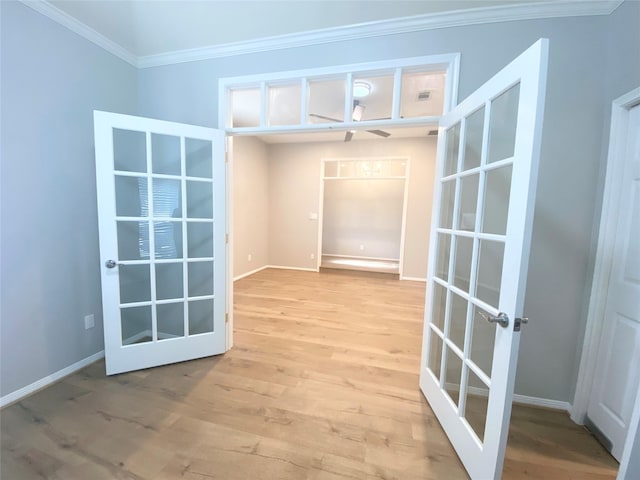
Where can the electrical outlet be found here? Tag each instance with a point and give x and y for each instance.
(312, 256)
(89, 321)
(249, 257)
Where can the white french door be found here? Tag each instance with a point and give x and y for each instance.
(486, 174)
(161, 209)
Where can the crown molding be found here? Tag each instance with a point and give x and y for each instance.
(507, 13)
(459, 18)
(76, 26)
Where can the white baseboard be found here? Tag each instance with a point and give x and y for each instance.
(48, 380)
(243, 275)
(521, 399)
(542, 402)
(281, 267)
(414, 279)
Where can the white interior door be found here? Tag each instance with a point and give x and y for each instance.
(616, 379)
(483, 211)
(161, 209)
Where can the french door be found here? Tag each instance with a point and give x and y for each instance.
(487, 163)
(162, 228)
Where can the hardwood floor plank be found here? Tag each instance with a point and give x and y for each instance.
(322, 384)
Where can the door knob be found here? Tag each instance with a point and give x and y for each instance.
(110, 263)
(501, 319)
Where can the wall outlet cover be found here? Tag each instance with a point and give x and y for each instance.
(89, 321)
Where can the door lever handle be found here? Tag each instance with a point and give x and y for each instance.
(501, 319)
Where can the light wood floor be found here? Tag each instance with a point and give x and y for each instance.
(322, 384)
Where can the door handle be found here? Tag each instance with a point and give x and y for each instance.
(110, 263)
(501, 319)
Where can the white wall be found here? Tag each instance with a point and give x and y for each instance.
(52, 80)
(250, 205)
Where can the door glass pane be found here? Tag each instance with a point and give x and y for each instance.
(168, 281)
(199, 158)
(462, 262)
(347, 168)
(167, 198)
(442, 257)
(439, 305)
(170, 318)
(129, 150)
(168, 239)
(452, 150)
(473, 140)
(131, 196)
(200, 316)
(422, 94)
(133, 240)
(331, 169)
(458, 323)
(199, 239)
(446, 204)
(496, 200)
(200, 278)
(285, 104)
(245, 107)
(199, 200)
(502, 125)
(136, 325)
(483, 337)
(490, 259)
(435, 354)
(453, 375)
(326, 101)
(477, 403)
(135, 283)
(468, 202)
(378, 103)
(165, 154)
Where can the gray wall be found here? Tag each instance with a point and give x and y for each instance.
(250, 205)
(52, 80)
(584, 76)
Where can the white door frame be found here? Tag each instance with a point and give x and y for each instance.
(602, 270)
(450, 62)
(405, 200)
(604, 256)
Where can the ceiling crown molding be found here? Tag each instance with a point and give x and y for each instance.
(527, 11)
(507, 13)
(76, 26)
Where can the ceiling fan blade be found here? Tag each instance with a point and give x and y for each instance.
(382, 133)
(348, 136)
(325, 118)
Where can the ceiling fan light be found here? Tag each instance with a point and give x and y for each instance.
(361, 89)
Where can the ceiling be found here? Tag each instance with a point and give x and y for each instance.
(153, 27)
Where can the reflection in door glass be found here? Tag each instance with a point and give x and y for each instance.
(435, 354)
(136, 325)
(169, 281)
(496, 200)
(135, 283)
(468, 202)
(502, 125)
(200, 316)
(452, 150)
(458, 320)
(170, 320)
(462, 262)
(442, 257)
(131, 196)
(439, 306)
(129, 150)
(482, 341)
(326, 101)
(446, 203)
(285, 104)
(453, 374)
(165, 154)
(199, 158)
(473, 140)
(490, 258)
(476, 404)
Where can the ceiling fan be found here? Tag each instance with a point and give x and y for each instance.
(356, 116)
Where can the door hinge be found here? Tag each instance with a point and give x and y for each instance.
(519, 322)
(226, 318)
